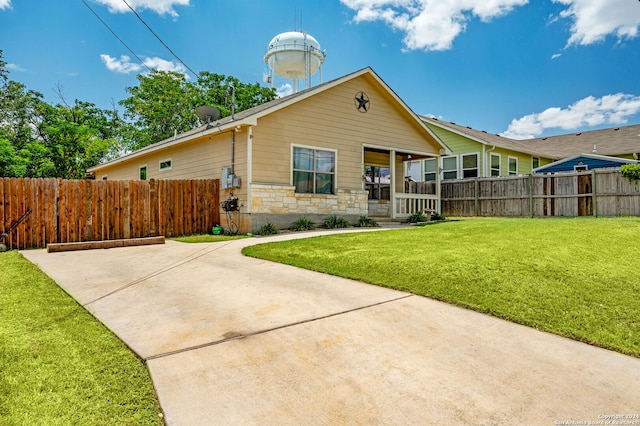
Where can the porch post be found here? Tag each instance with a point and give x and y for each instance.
(392, 185)
(438, 188)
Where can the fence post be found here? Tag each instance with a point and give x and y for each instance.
(476, 203)
(531, 210)
(594, 194)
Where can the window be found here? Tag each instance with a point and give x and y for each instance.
(104, 177)
(430, 169)
(513, 166)
(469, 165)
(580, 167)
(495, 165)
(535, 162)
(143, 172)
(412, 170)
(313, 170)
(449, 167)
(378, 182)
(165, 164)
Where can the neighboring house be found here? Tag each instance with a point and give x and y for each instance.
(476, 153)
(583, 162)
(482, 154)
(338, 148)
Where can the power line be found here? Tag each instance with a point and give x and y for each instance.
(116, 35)
(159, 39)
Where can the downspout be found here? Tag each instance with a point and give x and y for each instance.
(233, 132)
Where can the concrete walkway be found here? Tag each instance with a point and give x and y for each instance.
(235, 340)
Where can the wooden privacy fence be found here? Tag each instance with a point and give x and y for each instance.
(593, 193)
(66, 211)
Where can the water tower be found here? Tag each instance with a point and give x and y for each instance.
(294, 55)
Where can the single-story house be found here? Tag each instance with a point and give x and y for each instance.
(477, 153)
(583, 162)
(338, 148)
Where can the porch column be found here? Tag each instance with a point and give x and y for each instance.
(392, 184)
(439, 200)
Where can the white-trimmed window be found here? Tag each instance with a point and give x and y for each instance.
(535, 162)
(470, 165)
(430, 169)
(513, 166)
(450, 167)
(104, 177)
(165, 164)
(314, 170)
(142, 172)
(413, 170)
(495, 165)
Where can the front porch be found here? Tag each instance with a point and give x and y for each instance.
(392, 187)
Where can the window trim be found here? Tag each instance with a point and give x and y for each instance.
(163, 169)
(334, 190)
(581, 168)
(476, 168)
(533, 166)
(425, 172)
(491, 168)
(378, 187)
(509, 172)
(146, 172)
(104, 177)
(443, 171)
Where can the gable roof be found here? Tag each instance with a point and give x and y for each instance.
(612, 141)
(593, 160)
(250, 117)
(486, 138)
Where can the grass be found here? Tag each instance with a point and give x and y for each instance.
(206, 238)
(58, 364)
(574, 277)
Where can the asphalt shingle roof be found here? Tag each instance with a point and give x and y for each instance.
(613, 141)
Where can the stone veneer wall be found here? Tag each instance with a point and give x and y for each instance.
(281, 205)
(379, 208)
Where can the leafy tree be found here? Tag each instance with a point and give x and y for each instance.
(164, 102)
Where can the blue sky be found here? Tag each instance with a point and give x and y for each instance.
(522, 68)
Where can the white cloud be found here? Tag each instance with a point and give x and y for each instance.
(161, 7)
(15, 67)
(587, 112)
(5, 4)
(284, 90)
(594, 20)
(124, 65)
(429, 24)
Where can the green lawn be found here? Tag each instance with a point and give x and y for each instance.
(574, 277)
(58, 364)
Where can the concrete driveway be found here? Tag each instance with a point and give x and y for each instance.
(235, 340)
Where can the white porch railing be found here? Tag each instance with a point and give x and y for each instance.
(407, 204)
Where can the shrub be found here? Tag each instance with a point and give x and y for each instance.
(631, 172)
(366, 222)
(267, 229)
(437, 216)
(302, 224)
(417, 217)
(336, 222)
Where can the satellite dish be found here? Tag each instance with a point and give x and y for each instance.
(208, 113)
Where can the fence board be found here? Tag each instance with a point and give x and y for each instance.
(76, 211)
(599, 193)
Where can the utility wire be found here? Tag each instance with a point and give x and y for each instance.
(116, 35)
(159, 39)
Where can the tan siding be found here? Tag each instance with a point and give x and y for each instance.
(331, 120)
